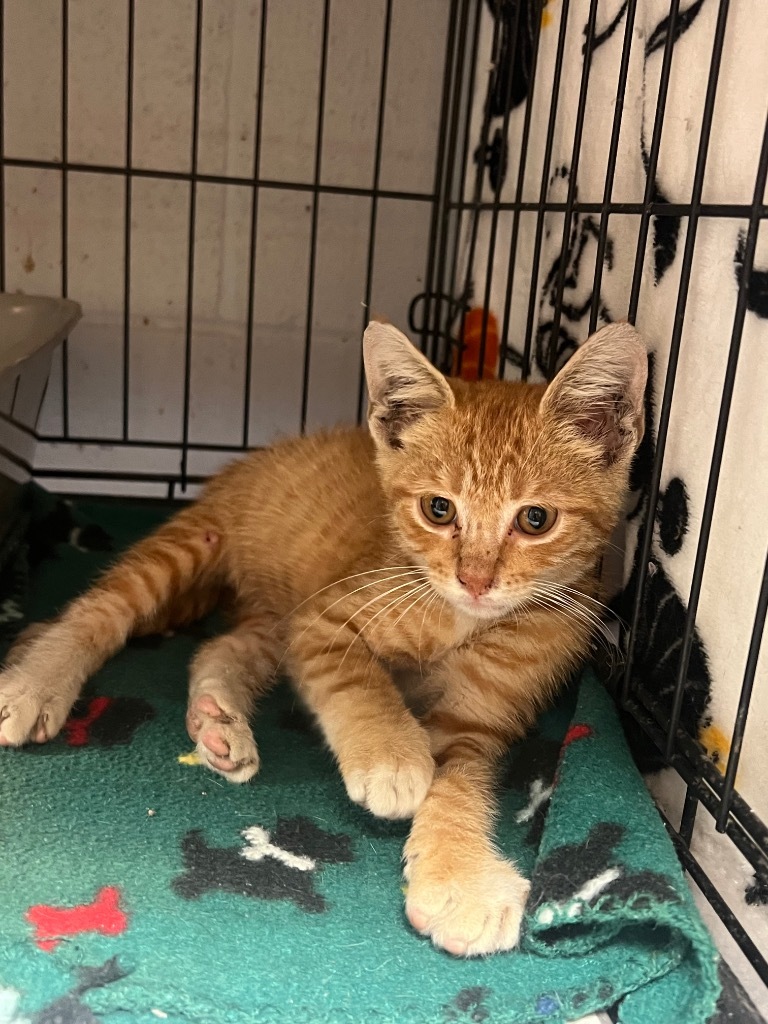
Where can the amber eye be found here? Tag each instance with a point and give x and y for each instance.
(535, 520)
(438, 510)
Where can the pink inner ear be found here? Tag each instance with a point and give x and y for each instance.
(592, 426)
(605, 427)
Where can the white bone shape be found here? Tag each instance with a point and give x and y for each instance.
(260, 847)
(539, 794)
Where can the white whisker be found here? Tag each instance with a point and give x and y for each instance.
(345, 579)
(573, 610)
(427, 606)
(587, 597)
(560, 592)
(578, 611)
(344, 597)
(373, 600)
(400, 598)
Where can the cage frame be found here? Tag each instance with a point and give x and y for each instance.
(434, 316)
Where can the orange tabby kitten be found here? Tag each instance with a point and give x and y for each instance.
(459, 538)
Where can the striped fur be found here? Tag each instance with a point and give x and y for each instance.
(330, 570)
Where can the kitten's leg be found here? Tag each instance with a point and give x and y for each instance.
(44, 676)
(382, 751)
(227, 676)
(461, 892)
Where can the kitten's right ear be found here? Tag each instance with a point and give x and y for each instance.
(402, 384)
(599, 393)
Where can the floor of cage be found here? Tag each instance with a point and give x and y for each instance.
(144, 517)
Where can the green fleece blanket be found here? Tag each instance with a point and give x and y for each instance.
(135, 885)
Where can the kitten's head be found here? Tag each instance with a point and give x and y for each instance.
(503, 490)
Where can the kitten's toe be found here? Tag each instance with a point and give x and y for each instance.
(29, 711)
(472, 913)
(225, 743)
(229, 750)
(394, 787)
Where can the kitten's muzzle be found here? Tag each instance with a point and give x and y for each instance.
(476, 583)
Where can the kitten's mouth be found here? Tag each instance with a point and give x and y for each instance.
(494, 604)
(487, 606)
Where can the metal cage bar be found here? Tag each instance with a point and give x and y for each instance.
(127, 217)
(374, 197)
(477, 190)
(315, 212)
(541, 208)
(464, 159)
(64, 207)
(430, 325)
(572, 181)
(155, 173)
(252, 238)
(744, 698)
(2, 147)
(522, 167)
(613, 152)
(437, 257)
(191, 242)
(496, 201)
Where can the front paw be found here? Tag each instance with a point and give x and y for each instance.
(471, 908)
(225, 743)
(390, 778)
(30, 710)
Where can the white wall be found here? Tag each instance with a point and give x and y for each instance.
(162, 124)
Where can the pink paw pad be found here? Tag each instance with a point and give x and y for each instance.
(211, 738)
(208, 706)
(214, 742)
(455, 947)
(418, 919)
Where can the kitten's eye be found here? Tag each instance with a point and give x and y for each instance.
(438, 510)
(535, 520)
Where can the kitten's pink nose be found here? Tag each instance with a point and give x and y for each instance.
(477, 583)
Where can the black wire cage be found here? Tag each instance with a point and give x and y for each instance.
(486, 194)
(453, 182)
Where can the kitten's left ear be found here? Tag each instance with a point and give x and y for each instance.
(402, 384)
(599, 393)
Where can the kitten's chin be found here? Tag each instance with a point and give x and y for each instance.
(487, 608)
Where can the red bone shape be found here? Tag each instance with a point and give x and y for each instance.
(53, 923)
(576, 732)
(78, 729)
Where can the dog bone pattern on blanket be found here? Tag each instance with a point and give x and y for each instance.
(145, 887)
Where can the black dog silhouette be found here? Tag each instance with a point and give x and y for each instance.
(277, 866)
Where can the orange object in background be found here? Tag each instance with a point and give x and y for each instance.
(471, 336)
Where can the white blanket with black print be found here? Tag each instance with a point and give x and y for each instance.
(739, 534)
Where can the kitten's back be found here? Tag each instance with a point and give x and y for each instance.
(300, 514)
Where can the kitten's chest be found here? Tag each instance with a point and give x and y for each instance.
(422, 636)
(414, 649)
(420, 681)
(418, 685)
